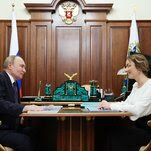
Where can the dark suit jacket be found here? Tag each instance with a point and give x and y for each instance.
(9, 110)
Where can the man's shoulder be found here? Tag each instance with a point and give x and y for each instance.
(3, 76)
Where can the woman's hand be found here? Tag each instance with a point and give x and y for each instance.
(104, 104)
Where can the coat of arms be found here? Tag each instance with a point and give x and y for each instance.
(68, 12)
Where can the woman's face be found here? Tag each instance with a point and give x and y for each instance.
(131, 70)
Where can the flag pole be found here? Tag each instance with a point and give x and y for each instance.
(134, 9)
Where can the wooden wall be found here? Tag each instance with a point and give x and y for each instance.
(92, 46)
(117, 43)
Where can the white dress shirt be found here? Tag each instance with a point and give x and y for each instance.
(138, 102)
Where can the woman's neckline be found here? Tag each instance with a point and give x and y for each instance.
(143, 83)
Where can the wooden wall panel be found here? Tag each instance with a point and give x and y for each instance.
(24, 47)
(40, 56)
(1, 47)
(145, 36)
(118, 36)
(85, 55)
(6, 33)
(41, 52)
(96, 54)
(68, 50)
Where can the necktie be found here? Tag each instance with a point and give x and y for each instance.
(15, 92)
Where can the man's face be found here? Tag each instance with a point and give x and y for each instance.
(17, 70)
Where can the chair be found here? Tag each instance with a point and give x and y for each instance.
(2, 148)
(148, 146)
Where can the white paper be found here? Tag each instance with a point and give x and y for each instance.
(47, 110)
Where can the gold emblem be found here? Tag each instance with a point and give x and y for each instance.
(68, 12)
(70, 77)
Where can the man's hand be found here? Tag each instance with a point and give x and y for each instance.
(32, 108)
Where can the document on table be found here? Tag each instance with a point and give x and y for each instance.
(47, 109)
(90, 104)
(93, 107)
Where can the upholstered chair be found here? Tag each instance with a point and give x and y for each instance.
(3, 148)
(148, 146)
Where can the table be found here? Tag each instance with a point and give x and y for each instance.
(75, 125)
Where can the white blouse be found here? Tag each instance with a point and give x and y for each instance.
(138, 102)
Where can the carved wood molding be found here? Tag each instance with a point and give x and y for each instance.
(50, 7)
(39, 7)
(44, 11)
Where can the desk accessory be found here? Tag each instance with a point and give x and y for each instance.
(39, 98)
(70, 90)
(108, 95)
(48, 91)
(93, 88)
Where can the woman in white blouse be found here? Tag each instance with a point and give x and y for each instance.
(126, 138)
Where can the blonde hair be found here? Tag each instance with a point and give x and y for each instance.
(140, 62)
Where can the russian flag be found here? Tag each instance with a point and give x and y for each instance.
(133, 39)
(14, 49)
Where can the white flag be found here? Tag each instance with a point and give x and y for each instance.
(14, 37)
(14, 49)
(134, 39)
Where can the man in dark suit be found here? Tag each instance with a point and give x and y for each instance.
(11, 133)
